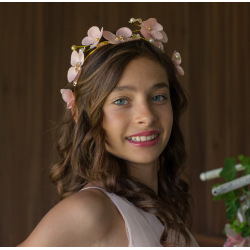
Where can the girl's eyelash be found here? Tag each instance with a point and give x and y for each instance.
(121, 98)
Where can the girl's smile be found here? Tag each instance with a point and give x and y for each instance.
(144, 141)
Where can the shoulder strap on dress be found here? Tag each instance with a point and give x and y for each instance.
(106, 192)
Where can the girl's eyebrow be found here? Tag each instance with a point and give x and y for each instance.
(133, 89)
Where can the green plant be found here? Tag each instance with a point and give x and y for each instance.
(232, 198)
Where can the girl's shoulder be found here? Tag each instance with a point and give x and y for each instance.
(82, 219)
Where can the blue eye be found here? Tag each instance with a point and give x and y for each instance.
(119, 101)
(164, 97)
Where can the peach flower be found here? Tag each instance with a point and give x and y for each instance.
(153, 28)
(68, 97)
(122, 35)
(77, 60)
(94, 36)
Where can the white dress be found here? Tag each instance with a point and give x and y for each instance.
(143, 229)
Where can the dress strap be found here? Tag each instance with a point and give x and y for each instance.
(106, 192)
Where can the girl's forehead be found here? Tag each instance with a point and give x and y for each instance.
(133, 88)
(143, 71)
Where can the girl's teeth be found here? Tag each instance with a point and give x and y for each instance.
(143, 138)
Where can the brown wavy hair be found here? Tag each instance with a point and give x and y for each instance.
(81, 145)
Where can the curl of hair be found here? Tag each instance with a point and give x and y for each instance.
(81, 144)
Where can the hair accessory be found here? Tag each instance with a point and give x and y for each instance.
(122, 35)
(94, 36)
(176, 58)
(68, 97)
(77, 60)
(151, 31)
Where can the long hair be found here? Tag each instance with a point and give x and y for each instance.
(81, 144)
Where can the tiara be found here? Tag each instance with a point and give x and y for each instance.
(150, 31)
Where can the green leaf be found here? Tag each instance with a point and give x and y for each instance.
(229, 172)
(244, 160)
(232, 207)
(247, 170)
(236, 223)
(242, 225)
(247, 214)
(236, 193)
(245, 192)
(244, 189)
(246, 231)
(217, 198)
(232, 220)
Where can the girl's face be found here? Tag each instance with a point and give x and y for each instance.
(139, 103)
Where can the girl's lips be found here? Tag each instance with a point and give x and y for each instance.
(146, 133)
(145, 143)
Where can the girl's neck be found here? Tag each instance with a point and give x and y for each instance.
(147, 174)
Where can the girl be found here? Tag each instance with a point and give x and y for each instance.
(121, 149)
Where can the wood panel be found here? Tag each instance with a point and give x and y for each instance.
(198, 66)
(213, 39)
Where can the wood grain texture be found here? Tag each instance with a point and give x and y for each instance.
(36, 40)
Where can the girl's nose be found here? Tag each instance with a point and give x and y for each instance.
(144, 114)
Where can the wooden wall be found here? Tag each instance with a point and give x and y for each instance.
(35, 38)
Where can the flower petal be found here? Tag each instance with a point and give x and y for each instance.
(150, 21)
(144, 26)
(165, 38)
(145, 34)
(124, 32)
(94, 32)
(156, 26)
(100, 33)
(71, 74)
(81, 57)
(88, 40)
(156, 34)
(70, 104)
(67, 95)
(109, 36)
(179, 70)
(74, 58)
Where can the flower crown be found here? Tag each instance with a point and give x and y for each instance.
(150, 30)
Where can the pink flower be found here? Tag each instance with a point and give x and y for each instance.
(94, 36)
(176, 58)
(68, 97)
(155, 42)
(151, 27)
(122, 35)
(236, 241)
(77, 60)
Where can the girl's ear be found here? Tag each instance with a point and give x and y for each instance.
(74, 112)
